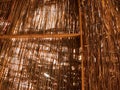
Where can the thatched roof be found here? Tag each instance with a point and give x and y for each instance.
(59, 44)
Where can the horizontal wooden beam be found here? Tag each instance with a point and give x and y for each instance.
(39, 36)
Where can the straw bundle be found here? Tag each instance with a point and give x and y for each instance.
(40, 47)
(101, 29)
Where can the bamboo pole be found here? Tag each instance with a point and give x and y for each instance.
(39, 36)
(81, 43)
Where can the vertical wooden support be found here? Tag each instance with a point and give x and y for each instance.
(81, 43)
